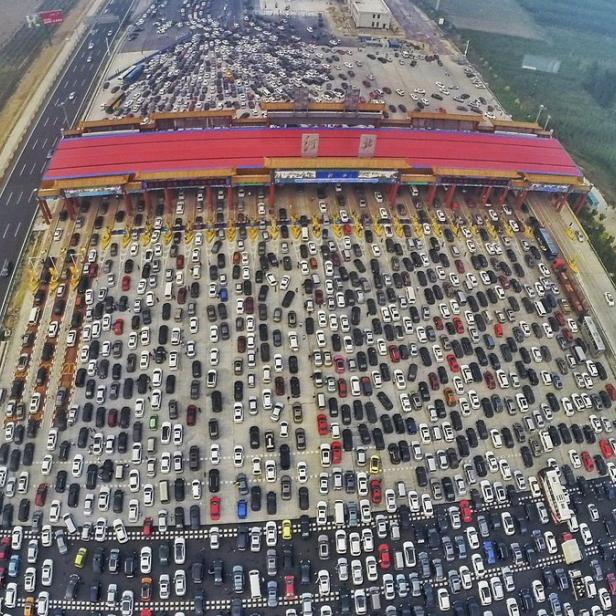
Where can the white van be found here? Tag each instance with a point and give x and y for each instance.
(540, 308)
(169, 290)
(255, 583)
(35, 315)
(305, 234)
(119, 471)
(163, 491)
(546, 441)
(339, 512)
(320, 401)
(69, 523)
(410, 295)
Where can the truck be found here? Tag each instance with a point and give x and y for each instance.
(571, 549)
(547, 243)
(133, 74)
(569, 287)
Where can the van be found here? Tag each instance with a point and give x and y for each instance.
(169, 290)
(255, 583)
(119, 471)
(321, 401)
(540, 308)
(375, 597)
(487, 316)
(461, 298)
(151, 445)
(579, 354)
(410, 295)
(398, 560)
(35, 315)
(178, 315)
(163, 490)
(546, 441)
(305, 235)
(339, 514)
(69, 523)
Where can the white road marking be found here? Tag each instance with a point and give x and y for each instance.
(6, 230)
(17, 229)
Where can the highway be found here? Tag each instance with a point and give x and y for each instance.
(62, 108)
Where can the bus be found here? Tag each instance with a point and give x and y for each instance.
(555, 494)
(592, 336)
(546, 242)
(114, 102)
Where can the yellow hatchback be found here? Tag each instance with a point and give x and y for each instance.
(375, 465)
(287, 530)
(80, 558)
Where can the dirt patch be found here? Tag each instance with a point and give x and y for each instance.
(14, 15)
(499, 17)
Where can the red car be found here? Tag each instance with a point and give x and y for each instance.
(342, 388)
(41, 495)
(489, 379)
(438, 323)
(384, 556)
(191, 415)
(289, 586)
(394, 353)
(606, 448)
(611, 391)
(454, 366)
(322, 424)
(498, 330)
(215, 508)
(3, 574)
(112, 418)
(5, 547)
(611, 583)
(179, 261)
(457, 323)
(118, 327)
(339, 364)
(336, 452)
(125, 283)
(560, 318)
(434, 382)
(376, 493)
(148, 526)
(318, 297)
(587, 460)
(465, 511)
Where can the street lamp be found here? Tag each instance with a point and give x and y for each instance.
(541, 108)
(547, 122)
(466, 47)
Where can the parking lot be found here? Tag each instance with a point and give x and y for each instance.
(239, 365)
(241, 60)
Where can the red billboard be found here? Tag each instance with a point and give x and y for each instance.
(49, 18)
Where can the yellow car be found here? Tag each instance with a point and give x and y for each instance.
(80, 558)
(375, 465)
(29, 606)
(287, 530)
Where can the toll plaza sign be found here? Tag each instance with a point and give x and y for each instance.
(335, 176)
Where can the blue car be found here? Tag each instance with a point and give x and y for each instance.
(242, 509)
(488, 548)
(14, 564)
(224, 295)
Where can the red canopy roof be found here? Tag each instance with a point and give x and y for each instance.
(177, 151)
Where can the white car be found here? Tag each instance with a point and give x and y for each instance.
(145, 560)
(47, 572)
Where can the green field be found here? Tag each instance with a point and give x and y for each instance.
(581, 36)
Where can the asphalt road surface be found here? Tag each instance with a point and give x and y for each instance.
(17, 197)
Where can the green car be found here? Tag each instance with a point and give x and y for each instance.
(154, 422)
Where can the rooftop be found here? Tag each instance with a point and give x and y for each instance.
(209, 150)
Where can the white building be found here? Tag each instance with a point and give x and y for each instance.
(373, 14)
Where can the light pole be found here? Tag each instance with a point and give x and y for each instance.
(107, 43)
(541, 108)
(466, 47)
(547, 122)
